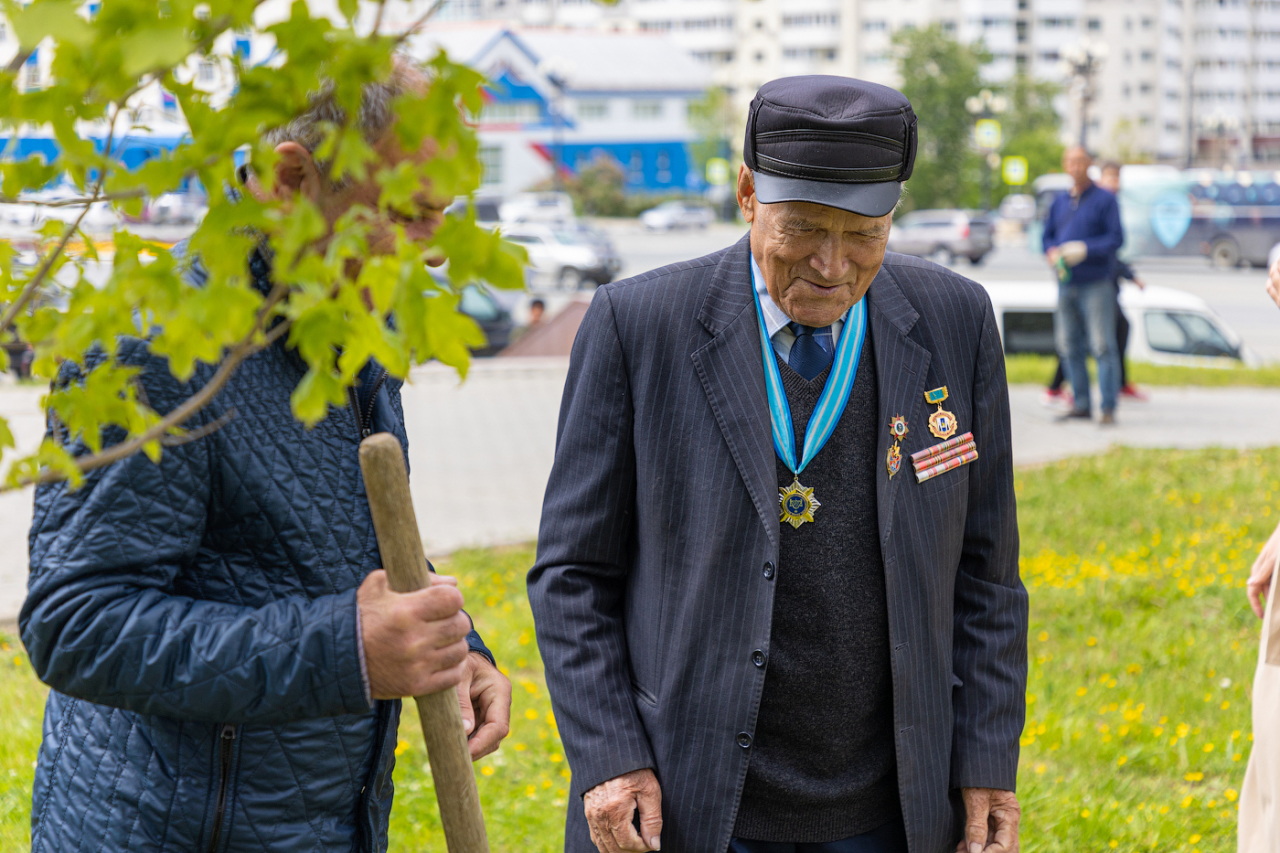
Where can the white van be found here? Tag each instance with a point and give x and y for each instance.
(1166, 326)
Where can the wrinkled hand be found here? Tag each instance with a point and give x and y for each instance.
(611, 806)
(1260, 577)
(992, 820)
(1052, 255)
(414, 642)
(1273, 283)
(486, 693)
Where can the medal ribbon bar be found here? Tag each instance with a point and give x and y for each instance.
(938, 449)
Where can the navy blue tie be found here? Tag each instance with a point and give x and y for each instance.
(808, 356)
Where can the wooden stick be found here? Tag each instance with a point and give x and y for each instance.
(387, 483)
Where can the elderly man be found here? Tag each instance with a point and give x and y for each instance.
(1082, 234)
(777, 585)
(224, 653)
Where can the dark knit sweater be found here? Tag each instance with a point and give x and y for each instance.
(822, 764)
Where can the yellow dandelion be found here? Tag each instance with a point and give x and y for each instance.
(486, 770)
(401, 747)
(1041, 768)
(1082, 691)
(519, 747)
(1187, 802)
(1194, 777)
(1084, 813)
(546, 783)
(1208, 747)
(531, 790)
(557, 758)
(531, 714)
(1042, 636)
(1113, 844)
(1164, 810)
(1092, 641)
(1237, 757)
(1121, 760)
(1195, 839)
(1231, 795)
(1225, 705)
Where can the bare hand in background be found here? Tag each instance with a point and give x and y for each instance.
(1260, 577)
(611, 807)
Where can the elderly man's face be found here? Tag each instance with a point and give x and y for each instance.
(817, 261)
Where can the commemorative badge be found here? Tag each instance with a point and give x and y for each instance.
(898, 430)
(798, 503)
(942, 423)
(893, 462)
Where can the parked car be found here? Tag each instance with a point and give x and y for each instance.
(603, 245)
(478, 304)
(677, 214)
(1166, 326)
(488, 209)
(537, 207)
(1019, 208)
(560, 256)
(177, 209)
(942, 235)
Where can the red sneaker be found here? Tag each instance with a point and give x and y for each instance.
(1129, 392)
(1056, 398)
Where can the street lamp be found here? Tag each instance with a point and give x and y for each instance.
(1081, 63)
(984, 107)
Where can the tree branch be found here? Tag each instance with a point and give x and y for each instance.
(160, 430)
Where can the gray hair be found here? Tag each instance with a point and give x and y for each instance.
(373, 121)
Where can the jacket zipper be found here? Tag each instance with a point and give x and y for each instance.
(226, 744)
(364, 420)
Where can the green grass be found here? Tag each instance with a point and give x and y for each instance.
(1038, 370)
(1142, 657)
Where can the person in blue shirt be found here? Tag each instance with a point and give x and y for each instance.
(1082, 234)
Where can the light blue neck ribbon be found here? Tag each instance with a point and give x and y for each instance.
(835, 395)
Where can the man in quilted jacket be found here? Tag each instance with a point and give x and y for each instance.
(224, 652)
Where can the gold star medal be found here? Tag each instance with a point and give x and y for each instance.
(797, 503)
(942, 423)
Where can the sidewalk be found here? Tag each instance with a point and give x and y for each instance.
(492, 440)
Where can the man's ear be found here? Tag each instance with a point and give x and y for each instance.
(296, 172)
(746, 193)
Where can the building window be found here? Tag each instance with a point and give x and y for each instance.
(4, 30)
(31, 75)
(646, 110)
(635, 168)
(207, 72)
(875, 26)
(812, 54)
(949, 26)
(664, 167)
(491, 164)
(593, 109)
(1095, 24)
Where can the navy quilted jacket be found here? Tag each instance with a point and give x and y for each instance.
(197, 622)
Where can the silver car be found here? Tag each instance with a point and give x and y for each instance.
(677, 214)
(942, 235)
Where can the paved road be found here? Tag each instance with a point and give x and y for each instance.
(480, 452)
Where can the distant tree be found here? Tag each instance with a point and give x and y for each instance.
(712, 117)
(938, 73)
(1032, 129)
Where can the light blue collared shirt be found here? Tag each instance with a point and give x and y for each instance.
(775, 322)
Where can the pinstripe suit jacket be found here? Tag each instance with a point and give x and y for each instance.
(661, 514)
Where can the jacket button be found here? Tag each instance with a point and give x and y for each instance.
(768, 570)
(757, 657)
(744, 740)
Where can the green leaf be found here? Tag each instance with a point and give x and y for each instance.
(56, 18)
(152, 48)
(6, 435)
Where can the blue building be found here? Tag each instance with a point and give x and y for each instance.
(560, 98)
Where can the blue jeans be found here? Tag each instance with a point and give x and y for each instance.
(890, 838)
(1086, 325)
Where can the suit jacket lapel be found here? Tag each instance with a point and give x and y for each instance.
(901, 367)
(732, 375)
